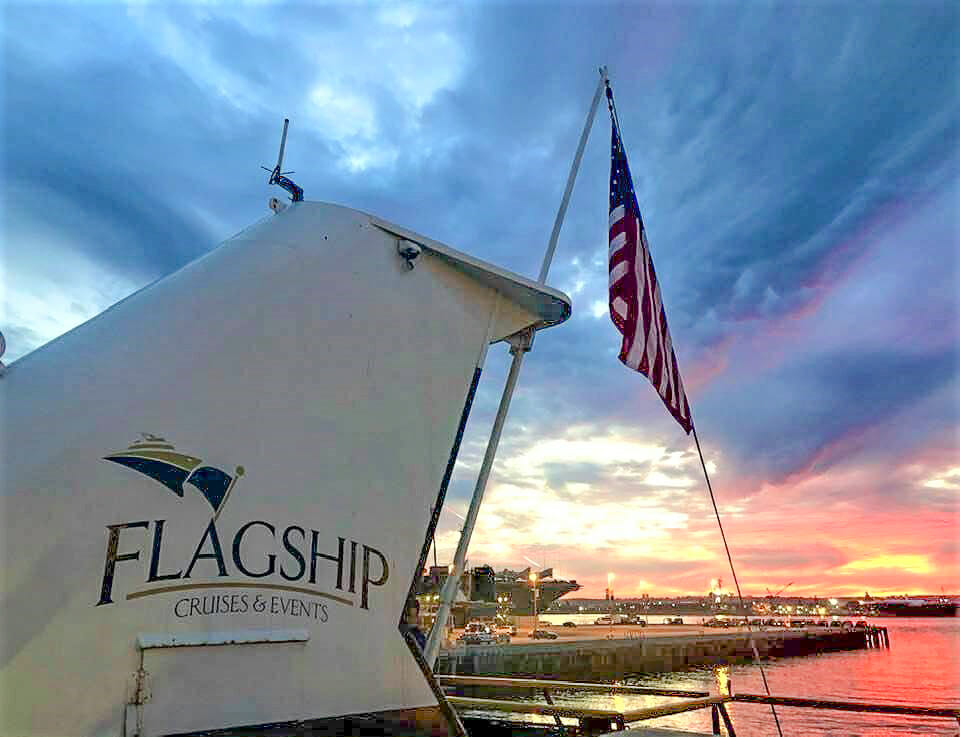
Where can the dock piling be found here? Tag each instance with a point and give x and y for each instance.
(876, 637)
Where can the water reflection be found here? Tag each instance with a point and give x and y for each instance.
(721, 677)
(921, 668)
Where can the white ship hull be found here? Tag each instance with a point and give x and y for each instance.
(304, 351)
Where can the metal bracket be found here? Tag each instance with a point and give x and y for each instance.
(139, 694)
(521, 342)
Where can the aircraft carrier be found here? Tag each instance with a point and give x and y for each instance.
(516, 585)
(512, 592)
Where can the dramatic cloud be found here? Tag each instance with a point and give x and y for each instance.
(796, 168)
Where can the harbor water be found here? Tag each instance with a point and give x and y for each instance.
(921, 668)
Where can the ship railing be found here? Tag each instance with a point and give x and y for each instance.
(593, 721)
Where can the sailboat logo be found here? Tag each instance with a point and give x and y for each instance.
(155, 457)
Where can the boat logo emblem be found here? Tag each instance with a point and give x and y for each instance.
(153, 456)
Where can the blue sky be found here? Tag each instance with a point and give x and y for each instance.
(796, 166)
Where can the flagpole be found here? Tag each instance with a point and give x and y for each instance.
(562, 211)
(449, 591)
(520, 345)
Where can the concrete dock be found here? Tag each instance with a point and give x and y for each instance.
(598, 652)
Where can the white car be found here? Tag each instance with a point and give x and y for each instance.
(477, 633)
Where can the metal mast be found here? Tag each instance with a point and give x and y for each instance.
(520, 345)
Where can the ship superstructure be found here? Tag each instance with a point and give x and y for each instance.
(518, 587)
(299, 391)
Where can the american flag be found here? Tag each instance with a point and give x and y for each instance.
(635, 305)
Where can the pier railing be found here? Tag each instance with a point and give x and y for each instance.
(593, 721)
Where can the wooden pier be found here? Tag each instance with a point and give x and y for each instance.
(652, 650)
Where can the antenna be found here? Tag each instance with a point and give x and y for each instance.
(283, 144)
(279, 177)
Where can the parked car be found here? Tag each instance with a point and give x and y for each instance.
(861, 624)
(603, 620)
(673, 620)
(544, 635)
(823, 623)
(639, 622)
(476, 638)
(569, 624)
(477, 633)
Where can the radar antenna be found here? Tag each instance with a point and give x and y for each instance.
(279, 177)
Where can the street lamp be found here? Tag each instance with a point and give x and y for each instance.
(610, 577)
(536, 593)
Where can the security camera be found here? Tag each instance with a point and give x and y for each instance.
(276, 205)
(409, 252)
